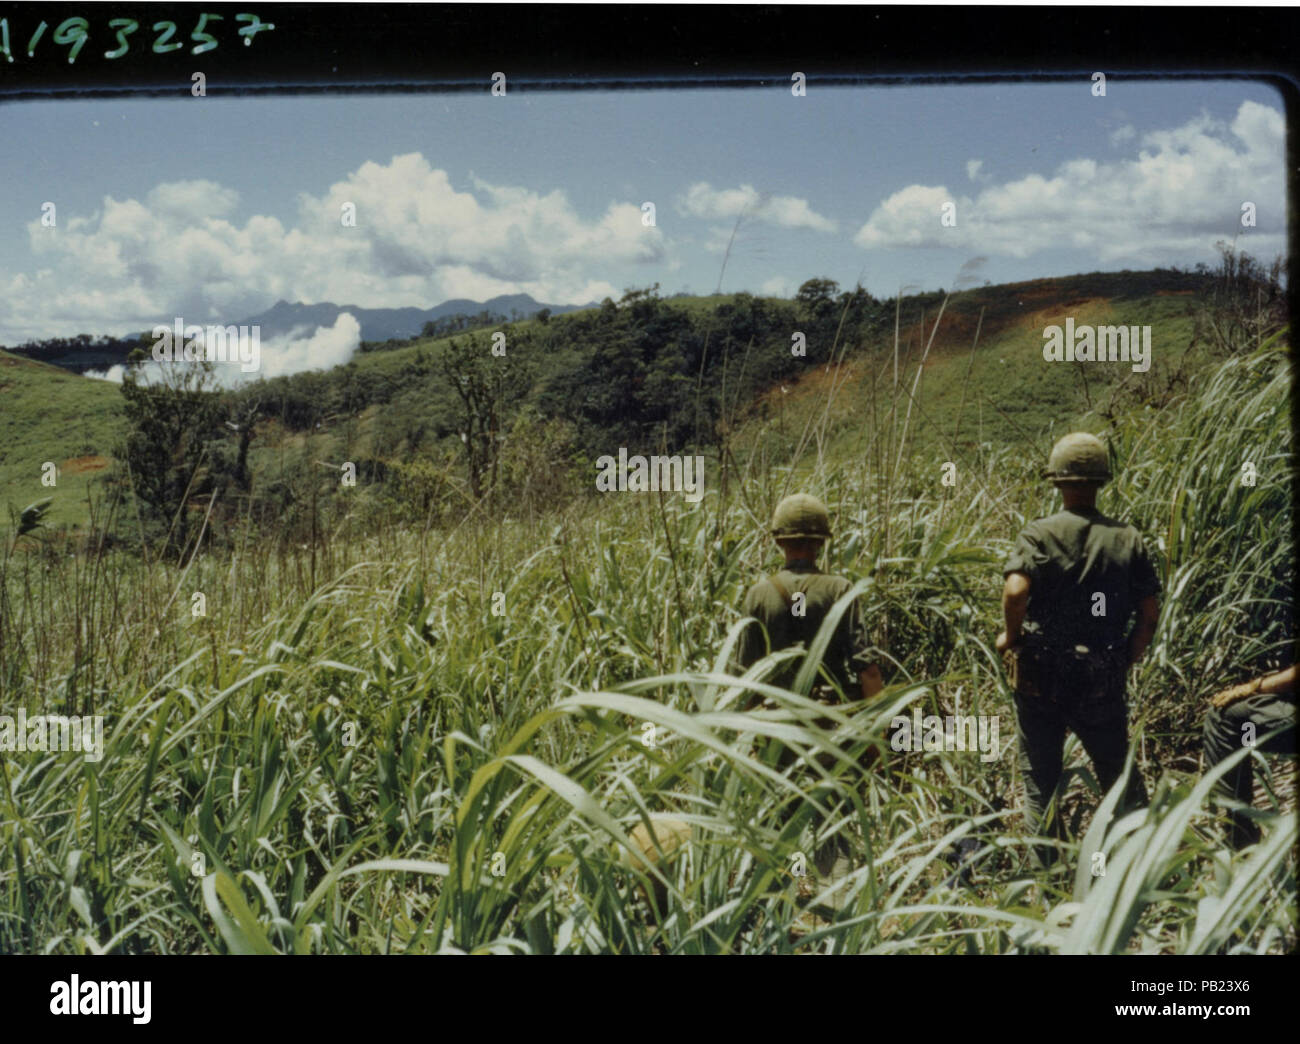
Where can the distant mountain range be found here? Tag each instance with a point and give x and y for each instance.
(382, 324)
(83, 352)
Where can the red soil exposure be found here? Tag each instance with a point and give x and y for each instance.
(80, 465)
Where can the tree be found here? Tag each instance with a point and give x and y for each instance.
(486, 388)
(173, 423)
(817, 296)
(1242, 302)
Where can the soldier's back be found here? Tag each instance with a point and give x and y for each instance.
(1087, 573)
(792, 605)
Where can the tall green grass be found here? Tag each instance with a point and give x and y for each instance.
(354, 753)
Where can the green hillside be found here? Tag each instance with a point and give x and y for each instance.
(49, 414)
(996, 390)
(983, 382)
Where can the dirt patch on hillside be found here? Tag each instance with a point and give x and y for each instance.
(956, 332)
(82, 465)
(814, 383)
(1084, 311)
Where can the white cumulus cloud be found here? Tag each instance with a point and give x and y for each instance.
(186, 249)
(1180, 193)
(702, 200)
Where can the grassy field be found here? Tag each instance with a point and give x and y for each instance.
(408, 740)
(49, 414)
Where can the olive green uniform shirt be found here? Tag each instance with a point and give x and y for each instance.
(1087, 574)
(851, 649)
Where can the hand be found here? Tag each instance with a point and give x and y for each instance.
(1002, 644)
(1233, 694)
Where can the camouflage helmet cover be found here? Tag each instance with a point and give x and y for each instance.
(801, 515)
(1078, 457)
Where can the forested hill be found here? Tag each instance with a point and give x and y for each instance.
(489, 412)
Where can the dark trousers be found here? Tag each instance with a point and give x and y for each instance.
(1226, 732)
(1056, 693)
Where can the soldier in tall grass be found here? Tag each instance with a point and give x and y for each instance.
(1072, 583)
(791, 606)
(1263, 709)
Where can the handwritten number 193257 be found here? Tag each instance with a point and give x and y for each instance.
(74, 32)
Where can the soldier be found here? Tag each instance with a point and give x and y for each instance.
(1071, 584)
(791, 606)
(1267, 705)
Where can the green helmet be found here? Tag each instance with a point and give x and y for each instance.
(1078, 457)
(801, 515)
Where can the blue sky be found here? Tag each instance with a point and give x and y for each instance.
(212, 208)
